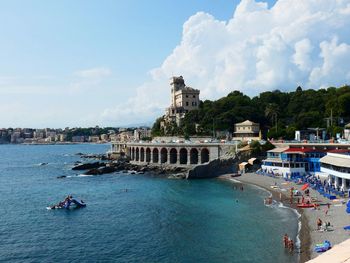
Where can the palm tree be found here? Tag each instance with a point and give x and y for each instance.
(271, 112)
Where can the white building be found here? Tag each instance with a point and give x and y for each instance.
(283, 161)
(139, 134)
(337, 166)
(183, 100)
(247, 130)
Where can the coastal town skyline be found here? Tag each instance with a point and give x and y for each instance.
(86, 67)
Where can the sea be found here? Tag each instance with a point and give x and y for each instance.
(128, 217)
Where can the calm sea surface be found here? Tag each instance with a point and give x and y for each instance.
(156, 220)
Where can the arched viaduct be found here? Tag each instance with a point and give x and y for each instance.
(169, 153)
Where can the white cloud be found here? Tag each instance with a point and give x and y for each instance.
(93, 73)
(89, 79)
(293, 43)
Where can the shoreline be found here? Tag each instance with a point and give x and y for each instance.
(309, 235)
(303, 231)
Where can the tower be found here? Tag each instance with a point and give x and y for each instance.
(177, 83)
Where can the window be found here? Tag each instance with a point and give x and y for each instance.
(186, 103)
(186, 96)
(194, 96)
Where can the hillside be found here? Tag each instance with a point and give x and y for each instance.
(279, 113)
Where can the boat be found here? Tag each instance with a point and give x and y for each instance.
(307, 205)
(68, 203)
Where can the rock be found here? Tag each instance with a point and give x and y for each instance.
(107, 170)
(93, 171)
(86, 166)
(214, 168)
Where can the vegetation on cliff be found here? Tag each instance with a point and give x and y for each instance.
(278, 113)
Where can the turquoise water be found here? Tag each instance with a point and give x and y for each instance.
(156, 220)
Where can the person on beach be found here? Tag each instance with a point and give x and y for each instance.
(280, 196)
(285, 240)
(319, 223)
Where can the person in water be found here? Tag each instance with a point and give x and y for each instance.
(285, 240)
(291, 245)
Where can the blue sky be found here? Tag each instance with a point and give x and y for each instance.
(86, 63)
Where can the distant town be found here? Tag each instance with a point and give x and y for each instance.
(71, 135)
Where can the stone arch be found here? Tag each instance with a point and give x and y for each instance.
(163, 155)
(204, 155)
(173, 155)
(137, 154)
(132, 157)
(183, 156)
(148, 155)
(142, 154)
(155, 155)
(193, 156)
(128, 151)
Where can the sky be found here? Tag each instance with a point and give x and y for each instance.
(85, 63)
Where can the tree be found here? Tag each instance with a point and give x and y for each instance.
(271, 112)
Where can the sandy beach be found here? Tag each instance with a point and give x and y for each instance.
(309, 235)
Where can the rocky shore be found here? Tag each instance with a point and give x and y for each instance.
(104, 165)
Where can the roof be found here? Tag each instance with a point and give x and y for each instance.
(278, 150)
(302, 150)
(251, 161)
(274, 160)
(246, 132)
(339, 160)
(247, 122)
(339, 151)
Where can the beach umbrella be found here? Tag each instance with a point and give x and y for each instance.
(304, 187)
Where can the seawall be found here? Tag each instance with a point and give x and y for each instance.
(214, 168)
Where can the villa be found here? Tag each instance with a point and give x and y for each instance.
(247, 130)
